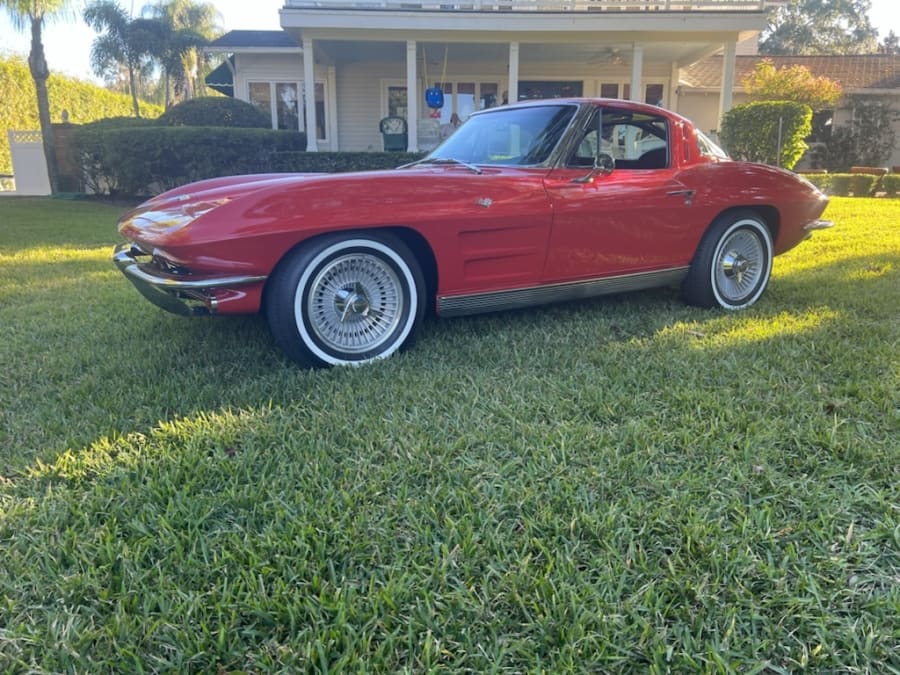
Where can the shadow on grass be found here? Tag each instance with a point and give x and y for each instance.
(115, 364)
(621, 479)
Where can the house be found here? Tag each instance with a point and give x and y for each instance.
(862, 75)
(340, 66)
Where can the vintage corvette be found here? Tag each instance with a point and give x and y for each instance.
(538, 202)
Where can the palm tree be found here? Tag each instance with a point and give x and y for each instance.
(123, 41)
(34, 13)
(191, 24)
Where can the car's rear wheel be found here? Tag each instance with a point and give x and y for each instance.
(345, 299)
(733, 262)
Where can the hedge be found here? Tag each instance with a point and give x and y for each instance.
(820, 180)
(83, 101)
(340, 162)
(751, 132)
(890, 185)
(146, 160)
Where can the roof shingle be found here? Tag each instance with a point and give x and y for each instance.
(853, 72)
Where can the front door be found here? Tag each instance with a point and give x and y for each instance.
(638, 218)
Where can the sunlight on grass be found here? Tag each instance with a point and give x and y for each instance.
(733, 331)
(870, 271)
(57, 254)
(619, 485)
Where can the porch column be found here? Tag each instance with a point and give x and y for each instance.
(513, 91)
(637, 68)
(309, 93)
(412, 98)
(725, 95)
(674, 77)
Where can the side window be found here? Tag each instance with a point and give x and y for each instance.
(635, 140)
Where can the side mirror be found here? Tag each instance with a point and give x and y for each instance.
(604, 164)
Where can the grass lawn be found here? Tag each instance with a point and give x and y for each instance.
(621, 484)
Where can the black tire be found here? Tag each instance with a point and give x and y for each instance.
(733, 263)
(346, 299)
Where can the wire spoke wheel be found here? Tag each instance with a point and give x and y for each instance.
(346, 299)
(739, 264)
(732, 264)
(355, 303)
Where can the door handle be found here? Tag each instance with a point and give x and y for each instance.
(687, 194)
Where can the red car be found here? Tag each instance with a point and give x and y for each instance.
(534, 203)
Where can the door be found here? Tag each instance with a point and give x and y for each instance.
(638, 218)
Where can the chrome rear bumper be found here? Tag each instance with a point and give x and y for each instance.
(818, 225)
(184, 296)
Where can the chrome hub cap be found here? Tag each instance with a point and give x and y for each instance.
(355, 303)
(740, 265)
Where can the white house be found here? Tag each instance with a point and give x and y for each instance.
(340, 66)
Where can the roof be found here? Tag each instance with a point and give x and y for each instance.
(237, 40)
(854, 72)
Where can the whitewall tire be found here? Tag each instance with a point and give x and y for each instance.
(733, 263)
(346, 299)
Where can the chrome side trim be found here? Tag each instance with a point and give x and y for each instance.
(479, 303)
(187, 297)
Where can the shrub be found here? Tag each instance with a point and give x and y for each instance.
(147, 160)
(864, 185)
(820, 180)
(83, 101)
(339, 162)
(109, 123)
(868, 139)
(840, 184)
(855, 184)
(890, 185)
(216, 111)
(751, 132)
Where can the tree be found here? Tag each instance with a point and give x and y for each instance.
(803, 27)
(867, 139)
(890, 44)
(792, 83)
(189, 26)
(123, 41)
(34, 13)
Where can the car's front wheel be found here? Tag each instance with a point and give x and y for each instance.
(345, 299)
(733, 262)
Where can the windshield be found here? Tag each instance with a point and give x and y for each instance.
(510, 137)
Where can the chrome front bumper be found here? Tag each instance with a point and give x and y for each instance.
(184, 296)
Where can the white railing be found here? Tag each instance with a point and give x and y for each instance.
(542, 5)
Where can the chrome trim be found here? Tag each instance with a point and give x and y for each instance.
(187, 297)
(517, 298)
(818, 225)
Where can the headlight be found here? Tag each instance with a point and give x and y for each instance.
(165, 221)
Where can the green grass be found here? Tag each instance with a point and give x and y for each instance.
(625, 484)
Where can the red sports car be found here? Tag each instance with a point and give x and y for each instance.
(540, 202)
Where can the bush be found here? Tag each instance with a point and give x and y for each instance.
(340, 162)
(143, 161)
(868, 139)
(216, 111)
(890, 185)
(820, 180)
(855, 184)
(110, 123)
(751, 131)
(84, 102)
(864, 185)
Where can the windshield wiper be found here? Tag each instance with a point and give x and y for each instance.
(443, 160)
